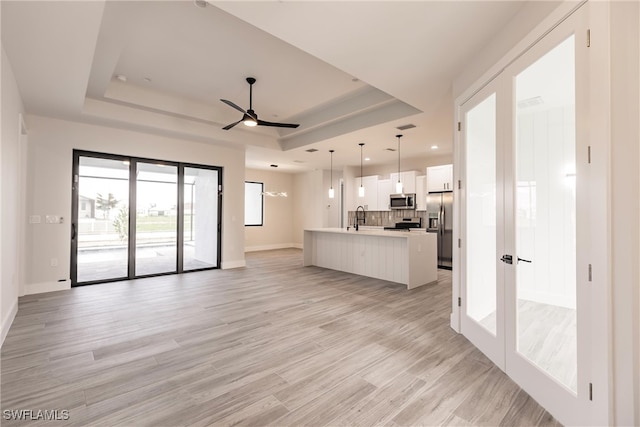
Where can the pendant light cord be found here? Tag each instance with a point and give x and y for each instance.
(361, 145)
(331, 171)
(398, 136)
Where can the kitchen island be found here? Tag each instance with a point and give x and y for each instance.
(407, 257)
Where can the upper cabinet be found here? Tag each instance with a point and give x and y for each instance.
(384, 191)
(440, 178)
(408, 179)
(370, 200)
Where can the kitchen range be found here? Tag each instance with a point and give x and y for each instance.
(406, 224)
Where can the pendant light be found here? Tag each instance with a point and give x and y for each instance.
(361, 189)
(331, 192)
(399, 188)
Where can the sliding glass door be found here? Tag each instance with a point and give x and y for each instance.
(101, 199)
(156, 218)
(200, 229)
(139, 217)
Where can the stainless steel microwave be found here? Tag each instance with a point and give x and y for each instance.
(403, 201)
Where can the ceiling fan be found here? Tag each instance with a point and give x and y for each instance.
(249, 117)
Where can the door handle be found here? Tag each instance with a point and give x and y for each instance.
(73, 232)
(524, 260)
(508, 259)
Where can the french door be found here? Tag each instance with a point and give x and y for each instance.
(524, 221)
(137, 217)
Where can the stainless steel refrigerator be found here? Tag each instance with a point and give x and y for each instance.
(440, 220)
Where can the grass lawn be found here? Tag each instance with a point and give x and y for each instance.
(160, 223)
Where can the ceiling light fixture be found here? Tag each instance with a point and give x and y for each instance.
(331, 191)
(361, 189)
(249, 121)
(399, 183)
(434, 147)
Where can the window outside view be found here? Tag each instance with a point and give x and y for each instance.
(103, 219)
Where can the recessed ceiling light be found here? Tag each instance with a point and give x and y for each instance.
(355, 79)
(121, 77)
(311, 150)
(366, 159)
(200, 3)
(434, 147)
(390, 149)
(407, 126)
(147, 79)
(274, 166)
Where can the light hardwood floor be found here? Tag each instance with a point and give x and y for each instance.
(274, 343)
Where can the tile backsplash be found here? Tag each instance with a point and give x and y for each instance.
(388, 218)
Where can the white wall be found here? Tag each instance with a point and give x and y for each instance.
(625, 212)
(11, 197)
(277, 229)
(520, 25)
(308, 203)
(51, 143)
(331, 207)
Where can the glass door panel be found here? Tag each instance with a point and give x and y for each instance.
(480, 145)
(156, 219)
(200, 242)
(545, 213)
(482, 315)
(101, 219)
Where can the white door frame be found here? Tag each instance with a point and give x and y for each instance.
(599, 367)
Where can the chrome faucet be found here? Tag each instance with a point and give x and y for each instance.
(356, 220)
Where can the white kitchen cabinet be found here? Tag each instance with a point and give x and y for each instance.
(440, 178)
(421, 193)
(384, 191)
(408, 179)
(370, 200)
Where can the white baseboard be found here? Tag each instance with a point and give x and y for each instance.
(225, 265)
(38, 288)
(8, 320)
(270, 247)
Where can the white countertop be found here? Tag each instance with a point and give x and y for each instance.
(373, 231)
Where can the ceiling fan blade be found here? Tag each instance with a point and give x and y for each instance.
(232, 105)
(227, 127)
(277, 125)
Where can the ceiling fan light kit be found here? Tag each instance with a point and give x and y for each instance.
(249, 117)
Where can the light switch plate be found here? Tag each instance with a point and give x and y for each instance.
(34, 219)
